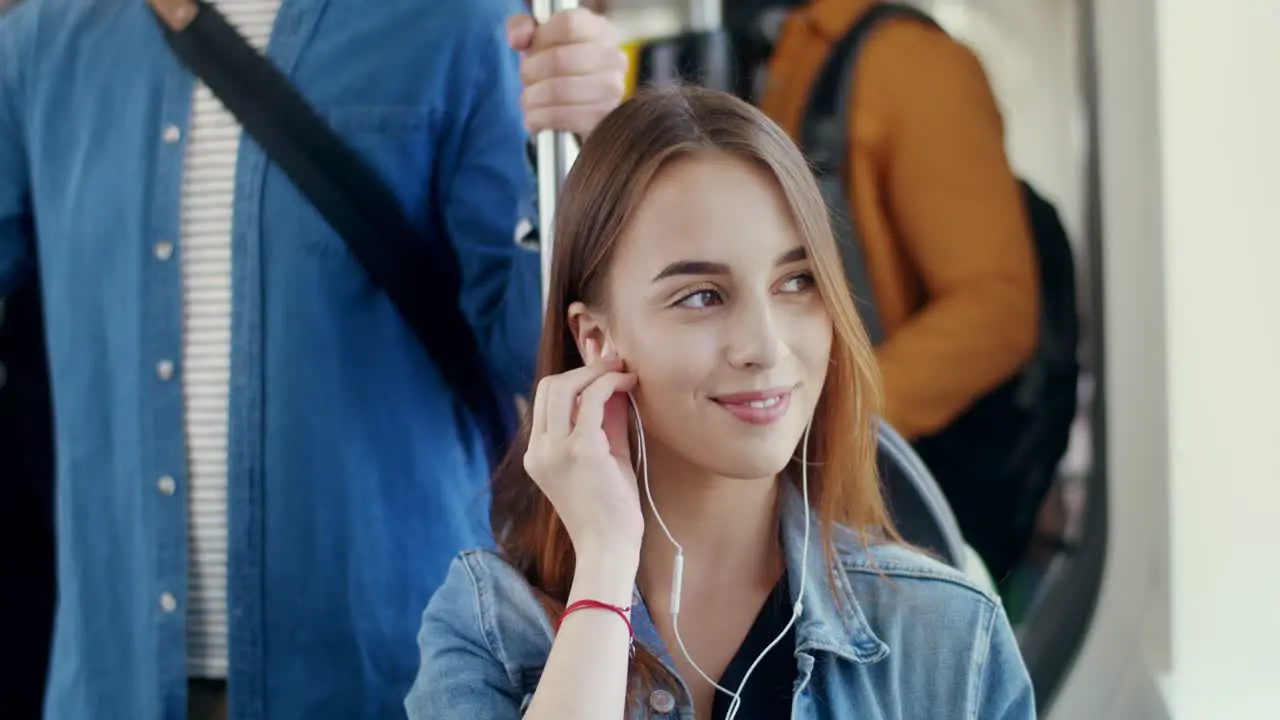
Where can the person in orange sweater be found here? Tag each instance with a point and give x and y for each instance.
(938, 210)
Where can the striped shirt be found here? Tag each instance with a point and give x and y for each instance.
(208, 192)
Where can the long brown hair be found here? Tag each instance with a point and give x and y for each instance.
(608, 182)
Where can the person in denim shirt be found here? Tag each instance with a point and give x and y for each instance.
(261, 475)
(733, 524)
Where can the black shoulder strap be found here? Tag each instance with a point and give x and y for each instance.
(825, 136)
(350, 195)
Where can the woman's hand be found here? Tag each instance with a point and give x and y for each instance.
(580, 456)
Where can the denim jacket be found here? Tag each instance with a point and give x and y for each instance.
(900, 637)
(354, 475)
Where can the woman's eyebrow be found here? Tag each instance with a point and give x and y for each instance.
(707, 267)
(692, 267)
(795, 254)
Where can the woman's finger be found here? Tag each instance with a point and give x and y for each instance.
(543, 391)
(617, 426)
(538, 416)
(563, 391)
(592, 401)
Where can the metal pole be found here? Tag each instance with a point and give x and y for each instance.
(705, 15)
(556, 153)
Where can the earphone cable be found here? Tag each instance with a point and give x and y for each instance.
(678, 572)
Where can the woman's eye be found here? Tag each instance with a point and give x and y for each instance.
(699, 299)
(799, 283)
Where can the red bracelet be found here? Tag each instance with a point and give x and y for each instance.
(597, 605)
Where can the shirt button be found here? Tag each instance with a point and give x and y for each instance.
(164, 369)
(168, 602)
(164, 250)
(166, 485)
(172, 134)
(661, 701)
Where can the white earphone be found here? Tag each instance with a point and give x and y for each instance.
(678, 573)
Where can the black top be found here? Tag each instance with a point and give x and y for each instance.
(767, 695)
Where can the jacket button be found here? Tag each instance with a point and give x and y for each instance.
(661, 701)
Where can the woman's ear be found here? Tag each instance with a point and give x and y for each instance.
(587, 327)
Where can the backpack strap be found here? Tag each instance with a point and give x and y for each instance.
(350, 194)
(826, 136)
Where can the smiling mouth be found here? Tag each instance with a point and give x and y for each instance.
(757, 408)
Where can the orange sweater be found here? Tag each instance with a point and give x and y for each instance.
(937, 207)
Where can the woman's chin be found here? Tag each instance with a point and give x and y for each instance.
(731, 455)
(752, 463)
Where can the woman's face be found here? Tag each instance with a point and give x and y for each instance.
(712, 304)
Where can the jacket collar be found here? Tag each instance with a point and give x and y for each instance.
(831, 619)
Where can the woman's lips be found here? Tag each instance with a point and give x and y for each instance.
(760, 407)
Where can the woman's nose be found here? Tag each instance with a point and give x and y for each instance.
(752, 338)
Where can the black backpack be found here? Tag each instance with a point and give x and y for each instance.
(998, 461)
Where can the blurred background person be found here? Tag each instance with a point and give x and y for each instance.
(261, 475)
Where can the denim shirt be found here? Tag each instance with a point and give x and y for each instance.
(355, 476)
(899, 637)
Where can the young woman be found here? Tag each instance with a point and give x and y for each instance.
(698, 474)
